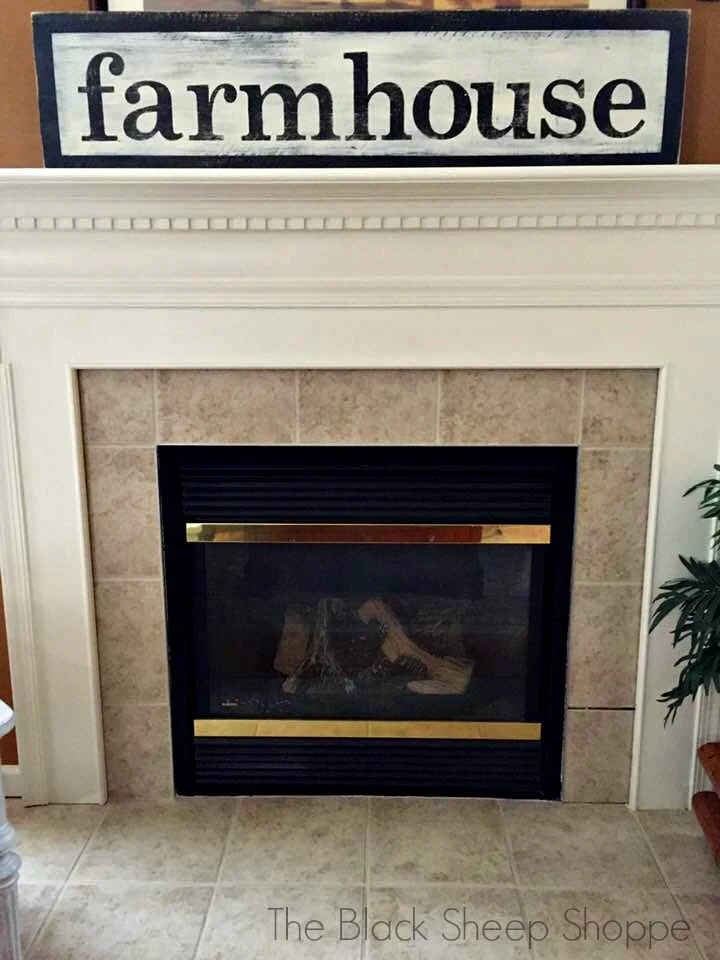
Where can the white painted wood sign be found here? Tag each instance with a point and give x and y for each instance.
(348, 89)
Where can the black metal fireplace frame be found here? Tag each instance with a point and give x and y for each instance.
(299, 765)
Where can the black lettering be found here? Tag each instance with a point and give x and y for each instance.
(604, 105)
(162, 109)
(559, 107)
(461, 109)
(290, 101)
(361, 102)
(521, 107)
(205, 101)
(94, 91)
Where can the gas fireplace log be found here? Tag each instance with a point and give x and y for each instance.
(294, 641)
(319, 662)
(451, 672)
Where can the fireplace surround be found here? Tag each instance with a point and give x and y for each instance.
(307, 286)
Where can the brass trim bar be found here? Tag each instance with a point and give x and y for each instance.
(371, 729)
(447, 533)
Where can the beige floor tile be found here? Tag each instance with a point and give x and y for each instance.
(179, 841)
(445, 921)
(585, 925)
(688, 863)
(34, 902)
(702, 912)
(250, 923)
(579, 846)
(50, 839)
(664, 822)
(297, 839)
(425, 841)
(137, 923)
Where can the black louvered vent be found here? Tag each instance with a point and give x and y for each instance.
(367, 487)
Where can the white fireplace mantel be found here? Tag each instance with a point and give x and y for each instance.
(574, 267)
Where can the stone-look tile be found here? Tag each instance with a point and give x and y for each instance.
(50, 839)
(604, 637)
(368, 406)
(664, 822)
(585, 925)
(612, 515)
(226, 406)
(598, 745)
(131, 641)
(180, 841)
(424, 841)
(450, 920)
(34, 902)
(245, 924)
(124, 521)
(297, 840)
(702, 912)
(509, 406)
(687, 862)
(140, 923)
(137, 750)
(117, 406)
(619, 407)
(579, 847)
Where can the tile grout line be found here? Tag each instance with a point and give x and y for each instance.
(127, 579)
(438, 404)
(513, 869)
(62, 887)
(218, 874)
(581, 409)
(155, 412)
(663, 874)
(365, 889)
(296, 431)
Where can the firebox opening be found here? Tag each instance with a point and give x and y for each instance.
(333, 610)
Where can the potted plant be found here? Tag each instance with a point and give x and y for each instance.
(695, 599)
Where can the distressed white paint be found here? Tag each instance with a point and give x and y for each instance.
(583, 267)
(408, 58)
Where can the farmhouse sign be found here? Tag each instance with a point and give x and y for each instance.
(348, 89)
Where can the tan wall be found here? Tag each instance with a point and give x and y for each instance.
(608, 413)
(20, 139)
(701, 132)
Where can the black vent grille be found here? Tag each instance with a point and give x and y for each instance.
(402, 767)
(249, 487)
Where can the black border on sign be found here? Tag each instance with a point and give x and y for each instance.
(673, 22)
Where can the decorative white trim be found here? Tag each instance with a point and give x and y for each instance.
(18, 604)
(17, 601)
(648, 589)
(433, 222)
(497, 291)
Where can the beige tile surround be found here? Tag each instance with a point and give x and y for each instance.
(608, 413)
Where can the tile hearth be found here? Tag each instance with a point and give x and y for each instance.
(193, 879)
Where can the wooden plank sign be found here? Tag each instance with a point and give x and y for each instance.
(348, 89)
